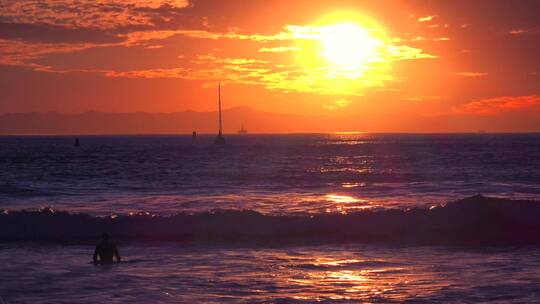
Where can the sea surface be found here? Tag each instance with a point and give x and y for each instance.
(272, 218)
(272, 174)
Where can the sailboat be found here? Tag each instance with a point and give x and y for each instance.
(220, 140)
(242, 130)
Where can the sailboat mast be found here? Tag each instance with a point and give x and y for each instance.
(219, 101)
(219, 139)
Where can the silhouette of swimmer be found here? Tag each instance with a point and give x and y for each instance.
(105, 251)
(77, 143)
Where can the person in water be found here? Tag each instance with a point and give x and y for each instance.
(105, 251)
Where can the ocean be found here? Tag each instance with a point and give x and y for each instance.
(299, 218)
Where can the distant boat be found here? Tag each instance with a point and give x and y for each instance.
(242, 130)
(220, 140)
(76, 143)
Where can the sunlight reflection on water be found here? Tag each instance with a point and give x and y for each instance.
(272, 174)
(168, 273)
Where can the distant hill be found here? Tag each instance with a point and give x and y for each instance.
(162, 123)
(253, 120)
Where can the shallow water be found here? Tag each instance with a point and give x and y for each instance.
(199, 272)
(268, 173)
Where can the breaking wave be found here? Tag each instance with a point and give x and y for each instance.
(471, 221)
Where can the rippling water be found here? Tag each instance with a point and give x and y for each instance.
(274, 175)
(264, 274)
(267, 173)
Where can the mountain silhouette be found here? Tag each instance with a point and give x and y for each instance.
(93, 122)
(255, 121)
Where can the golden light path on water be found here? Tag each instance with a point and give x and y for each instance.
(262, 273)
(331, 278)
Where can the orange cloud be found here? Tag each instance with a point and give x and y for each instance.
(470, 74)
(518, 31)
(139, 23)
(15, 52)
(426, 18)
(423, 98)
(340, 103)
(279, 49)
(496, 105)
(102, 14)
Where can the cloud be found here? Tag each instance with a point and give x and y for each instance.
(279, 49)
(97, 14)
(422, 98)
(470, 74)
(34, 30)
(277, 75)
(52, 33)
(426, 18)
(340, 103)
(320, 78)
(20, 53)
(518, 31)
(247, 71)
(403, 52)
(496, 105)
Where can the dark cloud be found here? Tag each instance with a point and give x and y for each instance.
(55, 34)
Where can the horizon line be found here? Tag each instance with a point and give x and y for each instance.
(275, 133)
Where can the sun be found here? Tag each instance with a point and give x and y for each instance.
(348, 45)
(342, 53)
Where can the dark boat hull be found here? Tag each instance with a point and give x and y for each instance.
(220, 140)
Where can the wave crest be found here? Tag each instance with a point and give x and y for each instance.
(471, 221)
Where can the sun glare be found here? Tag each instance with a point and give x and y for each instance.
(348, 45)
(343, 53)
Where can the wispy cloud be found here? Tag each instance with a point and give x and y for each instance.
(65, 26)
(426, 18)
(496, 105)
(102, 14)
(518, 31)
(470, 74)
(247, 71)
(278, 49)
(423, 98)
(340, 103)
(20, 53)
(403, 52)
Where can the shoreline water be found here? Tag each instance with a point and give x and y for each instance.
(326, 273)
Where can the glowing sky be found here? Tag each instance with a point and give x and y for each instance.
(453, 65)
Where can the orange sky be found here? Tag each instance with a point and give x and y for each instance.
(461, 63)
